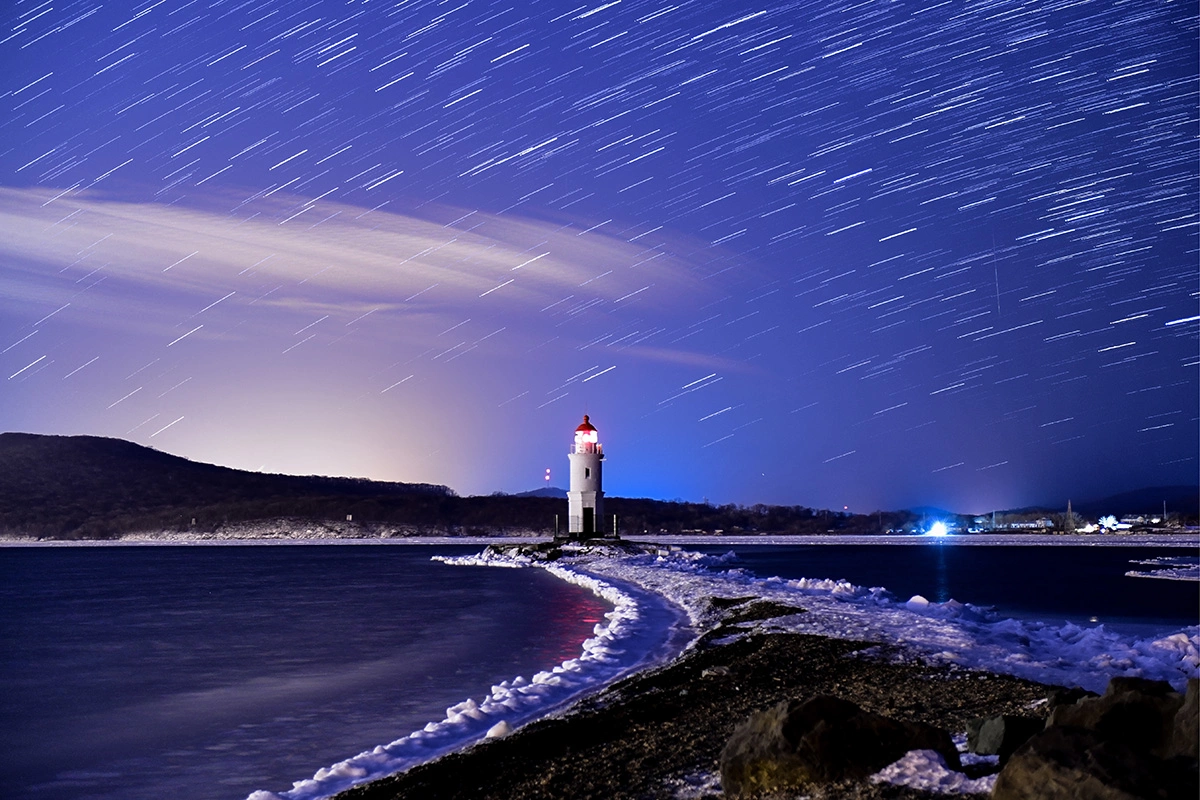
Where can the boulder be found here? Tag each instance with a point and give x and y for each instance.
(1184, 742)
(1135, 712)
(1071, 763)
(990, 736)
(1067, 697)
(821, 740)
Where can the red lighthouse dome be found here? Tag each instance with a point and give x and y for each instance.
(586, 436)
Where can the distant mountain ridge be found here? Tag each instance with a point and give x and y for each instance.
(1185, 499)
(1148, 501)
(546, 491)
(91, 487)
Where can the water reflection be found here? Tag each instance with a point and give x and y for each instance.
(943, 576)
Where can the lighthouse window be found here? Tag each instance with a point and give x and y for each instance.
(587, 472)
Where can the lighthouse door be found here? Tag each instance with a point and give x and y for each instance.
(589, 521)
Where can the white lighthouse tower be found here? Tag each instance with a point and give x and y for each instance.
(585, 498)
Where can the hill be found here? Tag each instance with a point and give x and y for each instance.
(94, 487)
(549, 491)
(89, 487)
(1179, 499)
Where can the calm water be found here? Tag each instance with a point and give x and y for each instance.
(209, 672)
(1053, 584)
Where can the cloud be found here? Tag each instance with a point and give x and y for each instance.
(342, 340)
(337, 259)
(157, 271)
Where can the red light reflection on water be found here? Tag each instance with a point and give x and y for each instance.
(571, 616)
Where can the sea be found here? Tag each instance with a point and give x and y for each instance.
(206, 672)
(1083, 585)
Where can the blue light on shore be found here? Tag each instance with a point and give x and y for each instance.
(938, 529)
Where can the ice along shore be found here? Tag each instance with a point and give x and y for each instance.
(964, 662)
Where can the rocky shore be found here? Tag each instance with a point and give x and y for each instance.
(759, 707)
(660, 733)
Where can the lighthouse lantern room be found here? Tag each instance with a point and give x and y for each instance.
(585, 499)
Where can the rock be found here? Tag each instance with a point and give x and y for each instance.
(990, 736)
(1068, 697)
(973, 727)
(1135, 712)
(820, 740)
(1137, 740)
(1187, 724)
(1071, 763)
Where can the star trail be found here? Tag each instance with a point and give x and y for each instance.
(875, 254)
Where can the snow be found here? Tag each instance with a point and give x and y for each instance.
(927, 770)
(694, 786)
(1185, 568)
(501, 728)
(950, 632)
(652, 592)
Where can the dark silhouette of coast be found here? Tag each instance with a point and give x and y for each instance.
(92, 488)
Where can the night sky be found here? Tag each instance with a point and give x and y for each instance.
(872, 254)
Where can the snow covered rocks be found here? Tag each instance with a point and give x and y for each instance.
(1138, 740)
(823, 739)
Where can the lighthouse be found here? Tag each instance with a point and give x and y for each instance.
(585, 498)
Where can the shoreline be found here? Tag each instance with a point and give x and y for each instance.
(812, 619)
(642, 623)
(270, 535)
(273, 541)
(658, 732)
(1182, 539)
(787, 627)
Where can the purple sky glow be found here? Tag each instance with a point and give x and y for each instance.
(877, 254)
